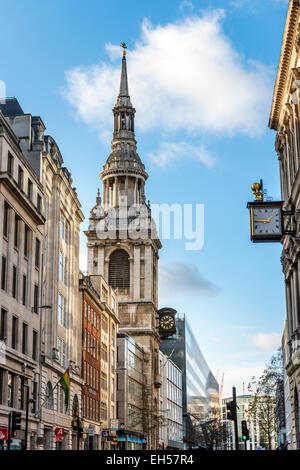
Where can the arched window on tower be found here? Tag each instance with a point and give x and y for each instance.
(119, 273)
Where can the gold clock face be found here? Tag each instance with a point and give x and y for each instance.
(266, 221)
(167, 322)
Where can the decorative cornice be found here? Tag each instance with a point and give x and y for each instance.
(288, 42)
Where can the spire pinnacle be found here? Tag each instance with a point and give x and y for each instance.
(124, 81)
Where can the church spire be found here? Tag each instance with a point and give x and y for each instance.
(124, 98)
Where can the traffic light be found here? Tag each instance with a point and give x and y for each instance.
(245, 431)
(16, 418)
(231, 410)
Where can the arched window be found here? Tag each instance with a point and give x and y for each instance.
(119, 275)
(49, 402)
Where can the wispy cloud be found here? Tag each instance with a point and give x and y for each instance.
(177, 277)
(183, 76)
(267, 341)
(169, 152)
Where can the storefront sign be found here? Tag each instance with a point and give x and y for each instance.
(59, 434)
(114, 424)
(3, 434)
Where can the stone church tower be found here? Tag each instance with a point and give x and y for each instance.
(123, 246)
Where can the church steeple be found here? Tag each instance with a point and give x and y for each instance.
(123, 174)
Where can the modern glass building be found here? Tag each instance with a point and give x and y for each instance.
(200, 390)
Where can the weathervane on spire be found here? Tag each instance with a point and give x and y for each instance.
(123, 45)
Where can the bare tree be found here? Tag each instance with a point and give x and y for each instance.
(267, 406)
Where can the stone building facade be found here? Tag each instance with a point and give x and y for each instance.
(123, 245)
(99, 307)
(21, 241)
(57, 294)
(285, 120)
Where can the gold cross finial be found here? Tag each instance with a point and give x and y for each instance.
(123, 45)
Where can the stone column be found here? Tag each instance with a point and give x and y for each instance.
(136, 272)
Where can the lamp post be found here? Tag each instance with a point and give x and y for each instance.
(28, 400)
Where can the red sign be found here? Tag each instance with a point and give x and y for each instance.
(3, 434)
(59, 434)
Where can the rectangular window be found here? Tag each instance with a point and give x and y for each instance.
(5, 219)
(10, 164)
(3, 321)
(104, 324)
(62, 352)
(1, 385)
(62, 226)
(29, 189)
(113, 335)
(67, 233)
(20, 177)
(10, 389)
(60, 309)
(66, 276)
(103, 381)
(24, 292)
(39, 203)
(14, 282)
(3, 273)
(37, 252)
(16, 232)
(61, 266)
(14, 333)
(34, 344)
(104, 352)
(35, 298)
(24, 338)
(26, 241)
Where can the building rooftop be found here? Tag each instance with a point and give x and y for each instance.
(11, 107)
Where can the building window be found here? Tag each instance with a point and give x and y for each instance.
(60, 309)
(62, 356)
(14, 282)
(103, 381)
(119, 269)
(1, 385)
(14, 333)
(62, 226)
(61, 266)
(5, 219)
(34, 344)
(10, 164)
(35, 298)
(113, 335)
(16, 232)
(24, 338)
(24, 293)
(29, 189)
(37, 252)
(39, 203)
(66, 272)
(20, 177)
(26, 241)
(3, 321)
(3, 273)
(103, 410)
(68, 233)
(49, 403)
(104, 324)
(10, 389)
(104, 352)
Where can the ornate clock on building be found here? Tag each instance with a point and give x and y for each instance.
(167, 324)
(266, 219)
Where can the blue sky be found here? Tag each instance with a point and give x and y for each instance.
(201, 76)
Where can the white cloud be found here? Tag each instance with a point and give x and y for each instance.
(267, 341)
(183, 76)
(173, 151)
(177, 277)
